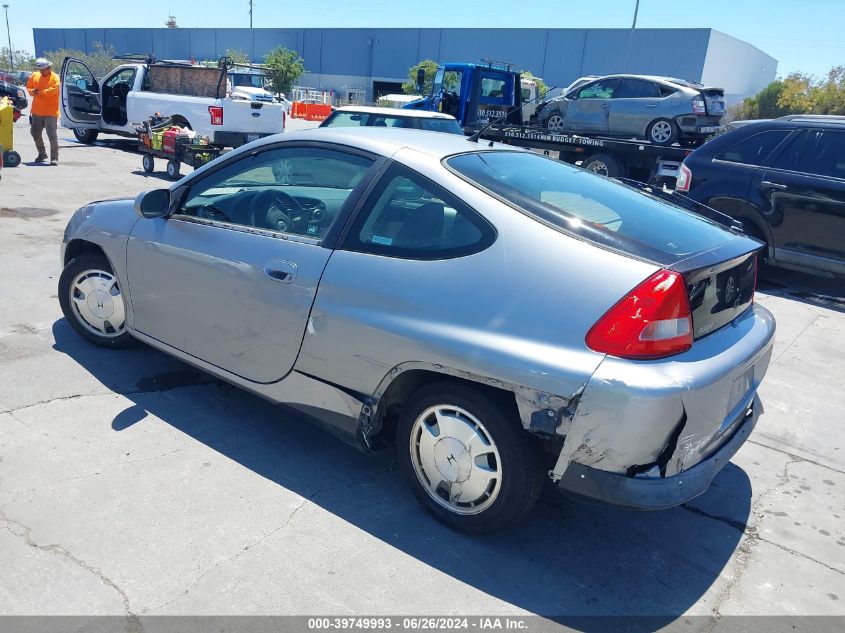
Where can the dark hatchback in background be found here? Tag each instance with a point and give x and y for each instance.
(785, 180)
(17, 94)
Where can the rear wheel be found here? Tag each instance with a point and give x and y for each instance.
(85, 135)
(468, 463)
(92, 301)
(11, 158)
(173, 169)
(604, 165)
(662, 132)
(148, 162)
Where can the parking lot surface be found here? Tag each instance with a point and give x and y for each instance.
(132, 484)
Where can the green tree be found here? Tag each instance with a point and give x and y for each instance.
(541, 85)
(429, 66)
(238, 56)
(100, 61)
(798, 94)
(284, 67)
(23, 60)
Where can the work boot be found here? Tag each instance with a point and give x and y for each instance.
(41, 158)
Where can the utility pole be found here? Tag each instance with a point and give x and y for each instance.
(251, 36)
(9, 35)
(636, 10)
(250, 14)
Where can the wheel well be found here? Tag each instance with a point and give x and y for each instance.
(405, 384)
(746, 213)
(75, 248)
(181, 121)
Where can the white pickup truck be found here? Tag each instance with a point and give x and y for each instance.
(194, 96)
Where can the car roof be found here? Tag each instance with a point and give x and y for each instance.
(387, 141)
(417, 114)
(686, 83)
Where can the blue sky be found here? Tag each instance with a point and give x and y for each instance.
(803, 35)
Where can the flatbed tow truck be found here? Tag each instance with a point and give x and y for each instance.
(491, 98)
(612, 157)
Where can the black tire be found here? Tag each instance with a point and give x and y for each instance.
(555, 122)
(85, 135)
(604, 165)
(78, 266)
(148, 162)
(173, 169)
(522, 459)
(665, 131)
(11, 158)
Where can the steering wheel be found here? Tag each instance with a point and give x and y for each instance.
(277, 211)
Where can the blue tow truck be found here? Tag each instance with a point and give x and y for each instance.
(494, 98)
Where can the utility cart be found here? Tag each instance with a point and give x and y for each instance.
(159, 139)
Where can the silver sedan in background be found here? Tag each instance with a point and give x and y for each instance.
(499, 317)
(662, 110)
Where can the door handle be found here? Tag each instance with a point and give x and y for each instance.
(281, 271)
(605, 105)
(773, 185)
(651, 105)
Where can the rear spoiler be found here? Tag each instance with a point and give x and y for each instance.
(687, 203)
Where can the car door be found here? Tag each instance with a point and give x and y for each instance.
(633, 106)
(80, 96)
(803, 193)
(590, 110)
(231, 275)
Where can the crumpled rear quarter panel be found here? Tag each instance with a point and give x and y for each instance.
(629, 409)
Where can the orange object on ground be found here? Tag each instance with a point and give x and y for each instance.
(317, 111)
(46, 102)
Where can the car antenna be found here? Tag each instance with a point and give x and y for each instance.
(476, 135)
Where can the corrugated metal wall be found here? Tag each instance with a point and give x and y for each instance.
(557, 55)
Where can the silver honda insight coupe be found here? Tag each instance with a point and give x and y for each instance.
(500, 317)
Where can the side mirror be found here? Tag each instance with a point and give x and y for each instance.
(420, 80)
(153, 204)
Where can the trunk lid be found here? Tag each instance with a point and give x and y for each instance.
(714, 100)
(720, 284)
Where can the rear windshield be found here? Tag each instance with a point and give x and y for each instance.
(357, 119)
(597, 208)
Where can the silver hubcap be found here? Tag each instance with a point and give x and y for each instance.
(455, 459)
(555, 123)
(661, 131)
(597, 167)
(97, 303)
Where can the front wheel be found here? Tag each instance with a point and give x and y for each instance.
(85, 135)
(92, 301)
(468, 463)
(662, 132)
(148, 163)
(555, 122)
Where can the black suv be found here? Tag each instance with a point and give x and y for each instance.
(785, 180)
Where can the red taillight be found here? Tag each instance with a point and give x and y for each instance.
(284, 118)
(651, 321)
(684, 179)
(216, 113)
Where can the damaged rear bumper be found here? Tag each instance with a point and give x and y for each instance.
(657, 493)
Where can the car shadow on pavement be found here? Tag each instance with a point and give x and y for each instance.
(566, 560)
(803, 287)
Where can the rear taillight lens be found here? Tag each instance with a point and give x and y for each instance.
(651, 321)
(698, 106)
(683, 179)
(216, 113)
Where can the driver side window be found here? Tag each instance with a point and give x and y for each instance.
(296, 190)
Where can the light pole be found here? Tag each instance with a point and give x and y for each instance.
(636, 10)
(9, 35)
